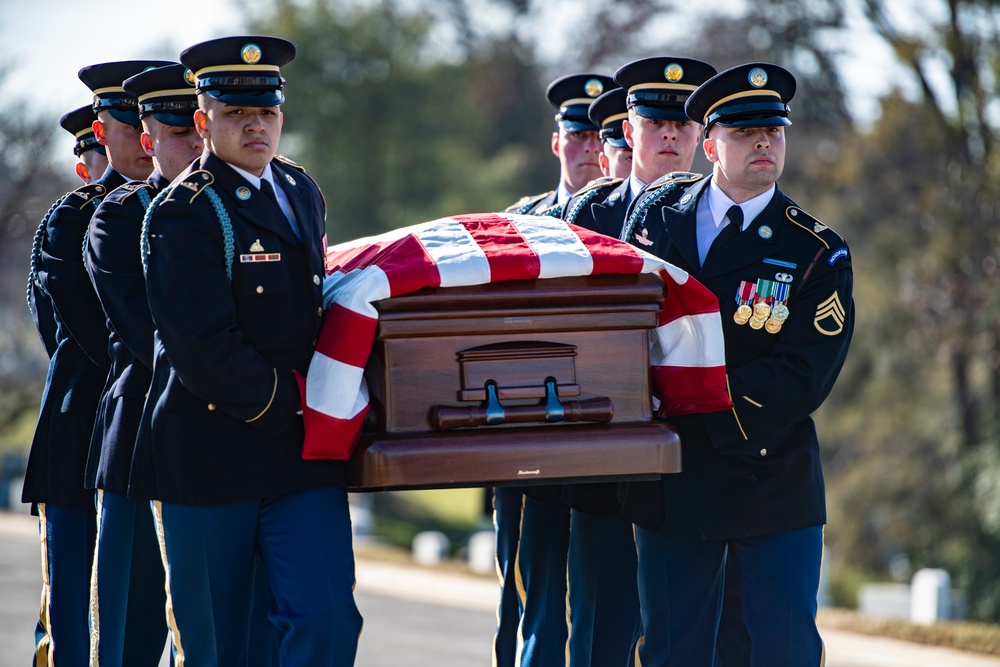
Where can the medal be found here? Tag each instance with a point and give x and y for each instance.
(744, 295)
(772, 326)
(756, 324)
(779, 312)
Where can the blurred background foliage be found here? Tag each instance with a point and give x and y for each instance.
(409, 110)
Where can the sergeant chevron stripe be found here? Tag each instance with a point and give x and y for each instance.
(830, 315)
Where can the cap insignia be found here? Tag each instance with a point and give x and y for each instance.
(757, 77)
(251, 53)
(593, 88)
(288, 177)
(673, 73)
(189, 77)
(243, 193)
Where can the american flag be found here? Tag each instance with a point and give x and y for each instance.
(687, 353)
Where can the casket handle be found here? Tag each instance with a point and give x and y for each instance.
(551, 410)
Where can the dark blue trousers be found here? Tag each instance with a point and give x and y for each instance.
(681, 594)
(603, 591)
(304, 543)
(127, 597)
(542, 559)
(62, 636)
(507, 504)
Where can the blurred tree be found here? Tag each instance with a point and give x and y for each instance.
(28, 186)
(396, 131)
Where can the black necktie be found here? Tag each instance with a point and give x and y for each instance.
(735, 226)
(268, 191)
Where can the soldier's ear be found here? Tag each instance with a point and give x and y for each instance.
(555, 144)
(147, 143)
(708, 145)
(627, 130)
(605, 164)
(98, 127)
(83, 172)
(201, 123)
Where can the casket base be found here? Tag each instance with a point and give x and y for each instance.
(521, 456)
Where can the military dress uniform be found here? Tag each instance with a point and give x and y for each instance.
(128, 626)
(235, 292)
(752, 482)
(532, 524)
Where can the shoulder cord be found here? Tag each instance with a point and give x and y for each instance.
(36, 251)
(645, 202)
(580, 203)
(220, 212)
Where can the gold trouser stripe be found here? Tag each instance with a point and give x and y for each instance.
(95, 613)
(569, 614)
(175, 633)
(522, 594)
(43, 651)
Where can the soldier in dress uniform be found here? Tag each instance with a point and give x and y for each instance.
(752, 484)
(608, 111)
(127, 595)
(234, 258)
(574, 142)
(93, 156)
(663, 139)
(543, 634)
(77, 371)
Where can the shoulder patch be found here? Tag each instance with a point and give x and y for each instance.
(675, 177)
(192, 185)
(85, 194)
(803, 220)
(598, 183)
(288, 163)
(527, 201)
(132, 187)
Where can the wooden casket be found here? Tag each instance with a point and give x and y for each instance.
(514, 382)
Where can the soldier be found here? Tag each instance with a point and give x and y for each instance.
(234, 273)
(93, 156)
(127, 581)
(575, 141)
(544, 634)
(77, 370)
(649, 112)
(752, 484)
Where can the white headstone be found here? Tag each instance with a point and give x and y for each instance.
(483, 552)
(430, 547)
(930, 596)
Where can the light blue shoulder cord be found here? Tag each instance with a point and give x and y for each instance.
(36, 250)
(645, 203)
(578, 205)
(224, 222)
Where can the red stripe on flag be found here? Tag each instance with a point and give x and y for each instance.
(328, 437)
(693, 299)
(408, 266)
(610, 255)
(509, 255)
(689, 390)
(346, 336)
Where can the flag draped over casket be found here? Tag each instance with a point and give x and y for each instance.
(687, 353)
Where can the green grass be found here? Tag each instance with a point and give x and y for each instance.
(400, 515)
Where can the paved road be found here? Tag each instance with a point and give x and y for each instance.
(414, 617)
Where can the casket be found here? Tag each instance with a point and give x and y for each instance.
(516, 382)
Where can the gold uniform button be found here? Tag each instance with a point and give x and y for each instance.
(211, 406)
(260, 289)
(763, 452)
(316, 280)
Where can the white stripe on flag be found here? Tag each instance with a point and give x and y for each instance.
(457, 256)
(332, 387)
(690, 341)
(358, 289)
(559, 250)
